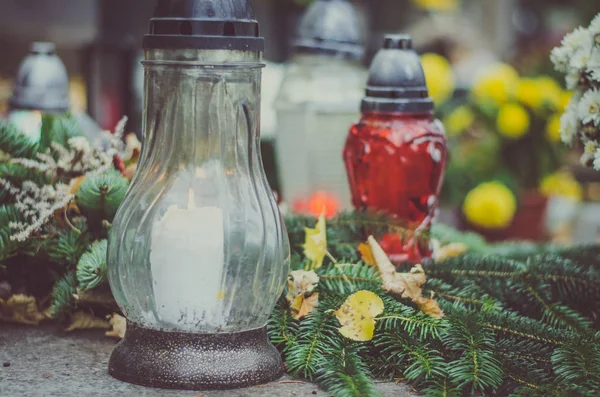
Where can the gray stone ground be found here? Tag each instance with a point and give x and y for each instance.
(45, 361)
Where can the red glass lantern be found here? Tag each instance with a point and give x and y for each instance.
(396, 154)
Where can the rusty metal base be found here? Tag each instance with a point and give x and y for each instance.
(177, 360)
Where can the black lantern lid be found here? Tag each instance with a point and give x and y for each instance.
(204, 25)
(396, 79)
(42, 82)
(330, 27)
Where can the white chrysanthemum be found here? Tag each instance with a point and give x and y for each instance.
(594, 64)
(595, 25)
(588, 109)
(580, 59)
(597, 160)
(572, 79)
(560, 57)
(579, 39)
(590, 148)
(568, 125)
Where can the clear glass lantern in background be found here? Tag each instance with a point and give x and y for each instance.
(319, 97)
(198, 253)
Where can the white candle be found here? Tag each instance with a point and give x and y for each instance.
(187, 260)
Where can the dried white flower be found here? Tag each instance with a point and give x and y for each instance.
(37, 204)
(80, 144)
(588, 109)
(568, 124)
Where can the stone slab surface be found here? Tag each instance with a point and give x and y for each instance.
(45, 361)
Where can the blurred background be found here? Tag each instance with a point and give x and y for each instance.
(99, 42)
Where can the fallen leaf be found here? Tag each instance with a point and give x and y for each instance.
(441, 253)
(118, 324)
(315, 245)
(366, 254)
(85, 320)
(301, 285)
(407, 285)
(21, 309)
(75, 184)
(357, 315)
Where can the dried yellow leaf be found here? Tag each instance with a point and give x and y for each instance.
(118, 324)
(301, 285)
(315, 244)
(407, 285)
(85, 320)
(357, 315)
(441, 253)
(21, 309)
(366, 254)
(75, 184)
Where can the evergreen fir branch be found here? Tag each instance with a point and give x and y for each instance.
(446, 235)
(282, 327)
(305, 357)
(15, 143)
(346, 279)
(9, 247)
(442, 388)
(578, 363)
(99, 196)
(65, 246)
(58, 129)
(63, 300)
(476, 366)
(400, 316)
(91, 268)
(343, 372)
(418, 360)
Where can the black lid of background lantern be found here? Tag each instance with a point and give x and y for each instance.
(330, 27)
(42, 82)
(396, 79)
(204, 25)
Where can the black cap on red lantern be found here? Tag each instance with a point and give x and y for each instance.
(397, 80)
(204, 25)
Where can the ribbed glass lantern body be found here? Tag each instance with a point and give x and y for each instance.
(198, 245)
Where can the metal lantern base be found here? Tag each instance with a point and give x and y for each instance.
(178, 360)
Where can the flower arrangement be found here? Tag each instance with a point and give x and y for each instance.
(579, 58)
(503, 138)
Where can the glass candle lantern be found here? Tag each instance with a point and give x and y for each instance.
(319, 97)
(396, 154)
(198, 253)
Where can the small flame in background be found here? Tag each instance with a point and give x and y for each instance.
(317, 203)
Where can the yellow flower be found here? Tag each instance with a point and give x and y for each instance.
(528, 93)
(440, 77)
(315, 244)
(562, 184)
(512, 121)
(437, 5)
(553, 128)
(490, 205)
(496, 85)
(459, 120)
(551, 92)
(565, 99)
